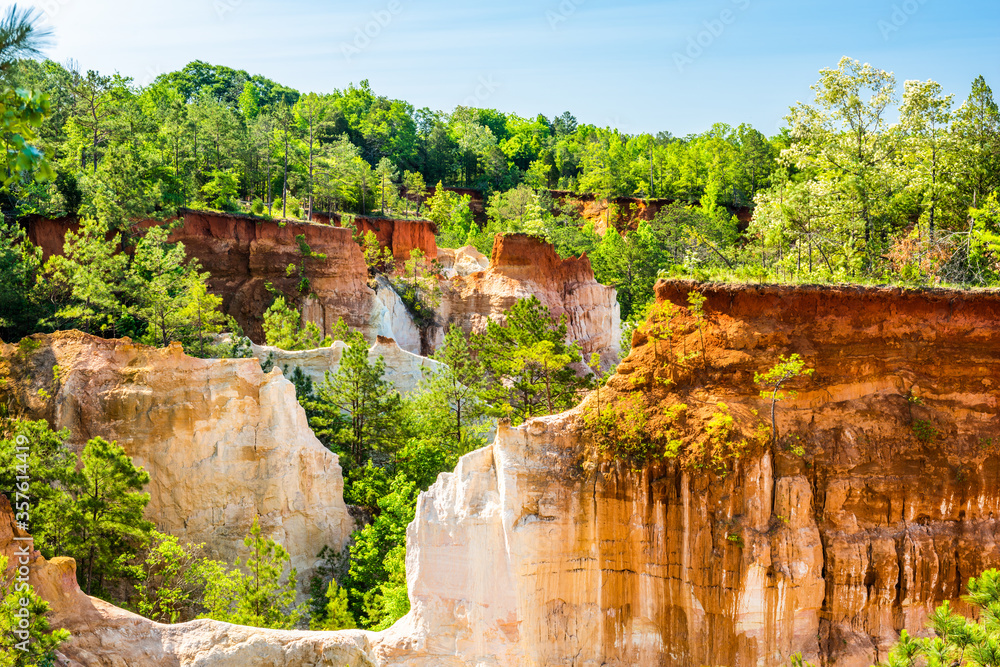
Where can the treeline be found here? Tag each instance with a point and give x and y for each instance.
(842, 195)
(212, 136)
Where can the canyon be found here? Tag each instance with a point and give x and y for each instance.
(248, 260)
(877, 499)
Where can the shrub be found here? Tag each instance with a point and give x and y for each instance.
(924, 430)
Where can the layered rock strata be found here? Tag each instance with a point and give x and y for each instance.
(522, 266)
(878, 502)
(401, 236)
(223, 442)
(244, 256)
(248, 258)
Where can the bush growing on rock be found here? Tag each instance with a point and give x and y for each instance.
(170, 579)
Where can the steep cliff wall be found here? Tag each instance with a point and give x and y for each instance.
(242, 255)
(521, 266)
(541, 550)
(401, 236)
(222, 442)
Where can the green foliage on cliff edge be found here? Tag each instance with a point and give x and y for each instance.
(648, 416)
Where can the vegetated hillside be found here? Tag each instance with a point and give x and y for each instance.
(658, 524)
(904, 202)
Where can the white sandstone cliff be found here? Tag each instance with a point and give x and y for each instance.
(223, 442)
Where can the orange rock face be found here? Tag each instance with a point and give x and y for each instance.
(243, 255)
(522, 266)
(401, 236)
(542, 549)
(49, 234)
(901, 430)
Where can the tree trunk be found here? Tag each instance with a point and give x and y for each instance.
(284, 184)
(310, 167)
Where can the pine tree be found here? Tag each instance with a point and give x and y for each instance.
(356, 411)
(283, 328)
(255, 593)
(336, 614)
(104, 520)
(529, 363)
(453, 395)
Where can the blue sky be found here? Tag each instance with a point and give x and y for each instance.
(639, 66)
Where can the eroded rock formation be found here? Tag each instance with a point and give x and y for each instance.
(401, 236)
(539, 550)
(878, 500)
(403, 369)
(521, 266)
(625, 213)
(243, 255)
(103, 635)
(223, 442)
(462, 261)
(391, 319)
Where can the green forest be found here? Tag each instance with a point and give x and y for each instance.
(871, 181)
(846, 192)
